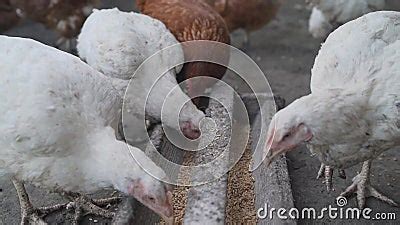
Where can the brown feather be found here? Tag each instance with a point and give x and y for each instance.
(249, 15)
(191, 20)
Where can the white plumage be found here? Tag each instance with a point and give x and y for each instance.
(328, 14)
(353, 112)
(116, 43)
(55, 125)
(359, 66)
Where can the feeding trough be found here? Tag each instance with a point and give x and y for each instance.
(233, 197)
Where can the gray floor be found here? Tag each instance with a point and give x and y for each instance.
(285, 52)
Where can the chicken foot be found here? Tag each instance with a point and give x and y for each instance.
(361, 186)
(30, 215)
(327, 172)
(84, 206)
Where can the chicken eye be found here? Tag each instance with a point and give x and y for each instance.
(286, 136)
(151, 199)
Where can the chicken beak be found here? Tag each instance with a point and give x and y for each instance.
(273, 150)
(190, 130)
(276, 147)
(168, 214)
(169, 220)
(272, 155)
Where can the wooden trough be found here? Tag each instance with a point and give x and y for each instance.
(235, 197)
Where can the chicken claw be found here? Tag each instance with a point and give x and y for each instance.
(30, 215)
(361, 186)
(327, 172)
(84, 205)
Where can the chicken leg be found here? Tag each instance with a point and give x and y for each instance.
(84, 205)
(81, 204)
(327, 172)
(361, 186)
(30, 215)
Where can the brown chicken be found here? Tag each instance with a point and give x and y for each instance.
(191, 20)
(66, 17)
(248, 15)
(8, 15)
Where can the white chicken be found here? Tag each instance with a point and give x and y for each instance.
(116, 43)
(327, 15)
(56, 131)
(353, 112)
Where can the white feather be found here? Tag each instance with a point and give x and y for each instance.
(338, 12)
(55, 122)
(116, 43)
(318, 24)
(354, 108)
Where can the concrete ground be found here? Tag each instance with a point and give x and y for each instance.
(285, 52)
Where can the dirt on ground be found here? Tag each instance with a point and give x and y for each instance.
(285, 52)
